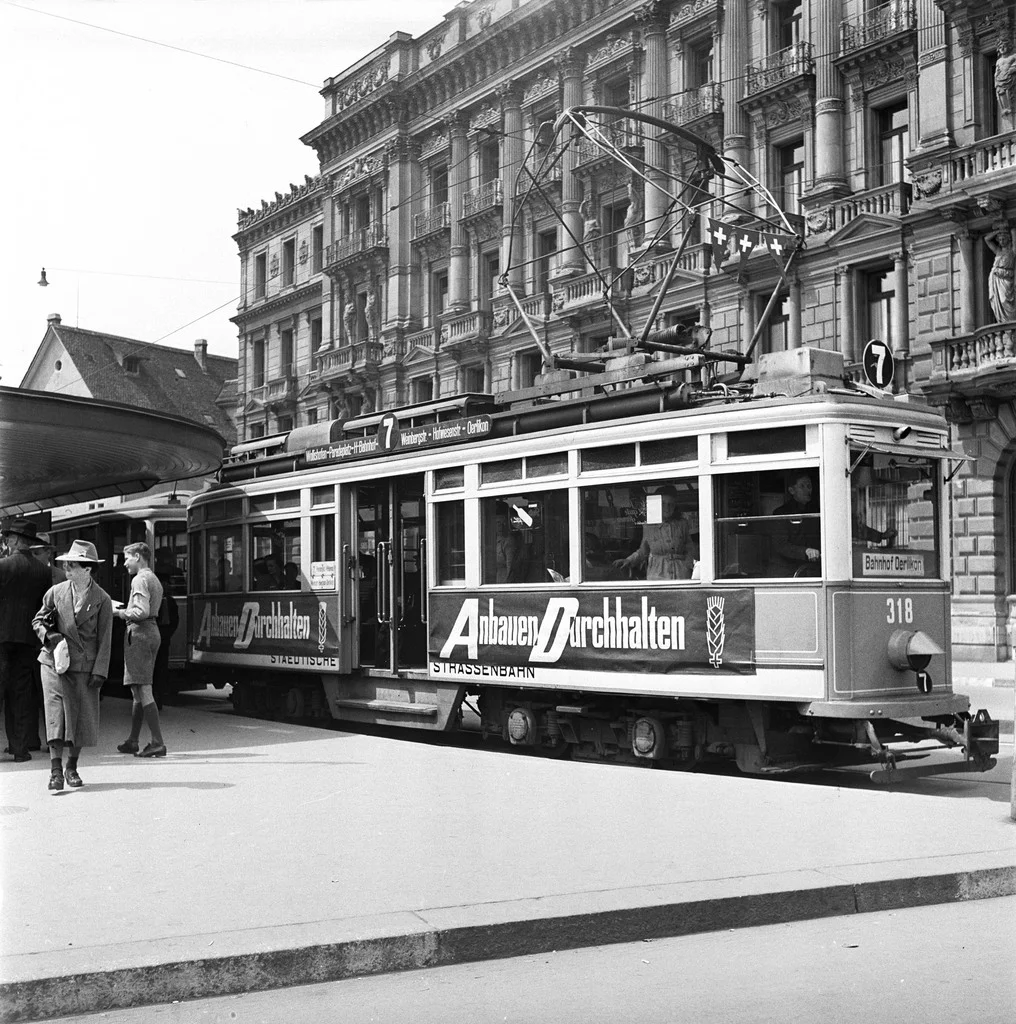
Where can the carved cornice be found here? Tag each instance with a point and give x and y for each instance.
(364, 167)
(615, 49)
(269, 308)
(653, 16)
(542, 88)
(363, 85)
(691, 12)
(312, 189)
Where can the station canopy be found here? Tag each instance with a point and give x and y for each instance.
(57, 449)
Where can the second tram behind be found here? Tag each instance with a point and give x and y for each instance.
(390, 568)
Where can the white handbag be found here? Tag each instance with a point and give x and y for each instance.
(61, 656)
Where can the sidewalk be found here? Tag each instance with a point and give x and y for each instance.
(988, 673)
(260, 854)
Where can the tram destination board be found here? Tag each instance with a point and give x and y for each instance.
(393, 437)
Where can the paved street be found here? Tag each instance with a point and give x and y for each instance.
(281, 854)
(950, 964)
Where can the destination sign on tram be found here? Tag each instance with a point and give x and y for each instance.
(392, 437)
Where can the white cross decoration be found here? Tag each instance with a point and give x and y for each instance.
(775, 245)
(746, 244)
(719, 235)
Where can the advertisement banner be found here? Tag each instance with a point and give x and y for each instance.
(656, 631)
(290, 629)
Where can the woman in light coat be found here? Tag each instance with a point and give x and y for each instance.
(80, 613)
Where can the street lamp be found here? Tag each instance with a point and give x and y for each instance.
(43, 283)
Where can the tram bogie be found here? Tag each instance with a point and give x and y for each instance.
(635, 587)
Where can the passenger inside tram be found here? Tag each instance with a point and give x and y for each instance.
(665, 548)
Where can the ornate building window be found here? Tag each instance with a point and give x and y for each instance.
(992, 122)
(260, 274)
(438, 184)
(490, 271)
(527, 365)
(786, 20)
(776, 334)
(880, 299)
(421, 389)
(257, 373)
(438, 295)
(488, 161)
(546, 246)
(790, 175)
(317, 246)
(286, 352)
(893, 124)
(288, 261)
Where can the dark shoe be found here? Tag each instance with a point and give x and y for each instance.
(152, 750)
(73, 779)
(128, 747)
(26, 756)
(56, 780)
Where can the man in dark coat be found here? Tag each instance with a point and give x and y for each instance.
(23, 582)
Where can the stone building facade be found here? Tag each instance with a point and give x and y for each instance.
(885, 131)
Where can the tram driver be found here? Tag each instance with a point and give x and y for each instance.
(798, 546)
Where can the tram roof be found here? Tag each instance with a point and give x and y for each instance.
(58, 449)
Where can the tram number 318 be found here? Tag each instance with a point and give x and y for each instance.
(899, 609)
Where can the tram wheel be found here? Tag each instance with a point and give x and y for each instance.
(294, 703)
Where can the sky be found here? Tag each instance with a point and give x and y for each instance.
(126, 157)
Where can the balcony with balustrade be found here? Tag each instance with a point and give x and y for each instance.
(359, 245)
(624, 135)
(698, 110)
(879, 33)
(974, 366)
(505, 314)
(582, 293)
(278, 393)
(786, 74)
(468, 331)
(431, 222)
(353, 362)
(428, 340)
(884, 201)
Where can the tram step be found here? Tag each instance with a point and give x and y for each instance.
(396, 707)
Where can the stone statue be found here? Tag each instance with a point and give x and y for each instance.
(1001, 287)
(1005, 78)
(633, 218)
(349, 319)
(371, 313)
(590, 224)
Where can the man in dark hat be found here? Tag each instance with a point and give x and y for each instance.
(23, 582)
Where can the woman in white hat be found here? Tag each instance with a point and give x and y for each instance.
(75, 625)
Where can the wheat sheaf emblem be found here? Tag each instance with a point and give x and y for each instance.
(322, 625)
(715, 630)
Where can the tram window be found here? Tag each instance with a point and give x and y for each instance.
(275, 555)
(499, 472)
(197, 548)
(170, 555)
(631, 531)
(288, 499)
(224, 567)
(449, 479)
(450, 521)
(766, 442)
(218, 510)
(525, 538)
(323, 573)
(322, 496)
(768, 524)
(670, 449)
(547, 465)
(614, 456)
(894, 506)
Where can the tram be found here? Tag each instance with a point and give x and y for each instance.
(159, 519)
(392, 567)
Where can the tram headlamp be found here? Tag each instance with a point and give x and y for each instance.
(901, 432)
(648, 738)
(521, 727)
(911, 649)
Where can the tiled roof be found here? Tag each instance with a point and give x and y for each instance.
(167, 379)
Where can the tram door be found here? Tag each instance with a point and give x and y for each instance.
(391, 573)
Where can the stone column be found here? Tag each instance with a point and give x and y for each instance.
(901, 308)
(733, 62)
(458, 177)
(829, 102)
(794, 324)
(653, 17)
(570, 64)
(968, 282)
(511, 159)
(848, 340)
(403, 160)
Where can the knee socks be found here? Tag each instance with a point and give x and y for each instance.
(137, 717)
(151, 712)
